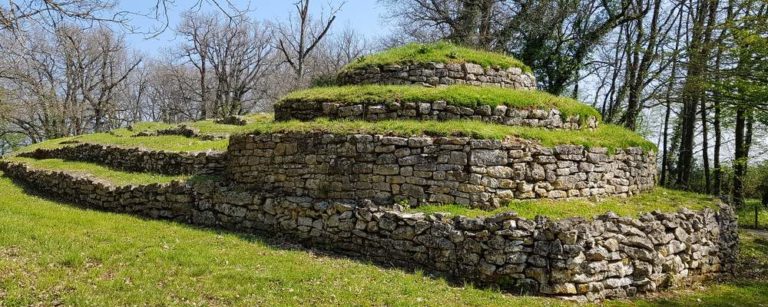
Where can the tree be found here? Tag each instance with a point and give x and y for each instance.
(235, 53)
(298, 38)
(63, 83)
(553, 37)
(745, 85)
(695, 82)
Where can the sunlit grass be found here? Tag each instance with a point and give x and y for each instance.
(439, 52)
(97, 171)
(54, 254)
(747, 215)
(458, 95)
(608, 136)
(51, 253)
(661, 199)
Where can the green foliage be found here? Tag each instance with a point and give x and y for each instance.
(97, 171)
(458, 95)
(661, 199)
(439, 52)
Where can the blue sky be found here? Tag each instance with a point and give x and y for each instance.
(362, 15)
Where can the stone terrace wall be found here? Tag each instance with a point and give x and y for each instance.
(438, 110)
(608, 257)
(479, 173)
(137, 160)
(439, 74)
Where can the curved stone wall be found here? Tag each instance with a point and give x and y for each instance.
(438, 110)
(480, 173)
(137, 160)
(608, 257)
(439, 74)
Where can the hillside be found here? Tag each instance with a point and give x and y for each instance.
(94, 258)
(178, 257)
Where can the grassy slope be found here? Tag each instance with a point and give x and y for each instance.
(609, 136)
(747, 215)
(458, 95)
(55, 253)
(98, 171)
(50, 252)
(440, 52)
(661, 199)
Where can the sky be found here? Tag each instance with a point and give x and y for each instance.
(364, 16)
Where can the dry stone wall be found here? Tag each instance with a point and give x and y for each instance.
(438, 110)
(137, 160)
(480, 173)
(586, 260)
(439, 74)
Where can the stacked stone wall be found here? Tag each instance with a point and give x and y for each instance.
(607, 257)
(439, 110)
(439, 74)
(137, 160)
(424, 169)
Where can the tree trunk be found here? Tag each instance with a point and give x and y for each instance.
(693, 88)
(740, 158)
(665, 153)
(705, 147)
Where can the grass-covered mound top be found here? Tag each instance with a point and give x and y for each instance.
(97, 171)
(439, 52)
(664, 200)
(608, 136)
(458, 95)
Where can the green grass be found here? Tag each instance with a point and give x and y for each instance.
(608, 136)
(123, 138)
(53, 253)
(439, 52)
(747, 215)
(56, 254)
(458, 95)
(662, 199)
(97, 171)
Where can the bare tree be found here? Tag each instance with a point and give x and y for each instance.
(301, 35)
(63, 83)
(235, 55)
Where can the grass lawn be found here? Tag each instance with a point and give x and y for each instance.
(439, 52)
(458, 95)
(53, 253)
(662, 199)
(94, 170)
(747, 215)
